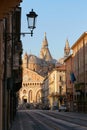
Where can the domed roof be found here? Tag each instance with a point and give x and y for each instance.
(33, 60)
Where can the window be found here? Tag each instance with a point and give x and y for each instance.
(60, 78)
(24, 91)
(30, 95)
(60, 90)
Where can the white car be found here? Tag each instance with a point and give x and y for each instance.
(63, 108)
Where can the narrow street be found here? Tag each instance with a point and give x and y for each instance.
(49, 120)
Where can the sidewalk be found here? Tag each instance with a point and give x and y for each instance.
(16, 124)
(21, 122)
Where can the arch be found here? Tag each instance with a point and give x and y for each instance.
(24, 91)
(30, 96)
(24, 99)
(38, 96)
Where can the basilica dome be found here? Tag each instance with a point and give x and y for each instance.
(33, 59)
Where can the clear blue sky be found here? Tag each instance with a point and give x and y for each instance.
(60, 19)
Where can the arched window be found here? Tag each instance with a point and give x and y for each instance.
(30, 96)
(24, 91)
(38, 96)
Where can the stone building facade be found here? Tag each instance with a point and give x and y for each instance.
(77, 84)
(10, 60)
(34, 71)
(54, 87)
(69, 85)
(80, 69)
(43, 77)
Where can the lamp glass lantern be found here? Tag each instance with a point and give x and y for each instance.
(31, 19)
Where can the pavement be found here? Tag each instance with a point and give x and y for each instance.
(16, 123)
(73, 114)
(22, 122)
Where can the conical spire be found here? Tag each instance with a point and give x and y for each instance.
(45, 42)
(67, 44)
(45, 53)
(67, 48)
(25, 55)
(25, 60)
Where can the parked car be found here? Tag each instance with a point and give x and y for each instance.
(63, 108)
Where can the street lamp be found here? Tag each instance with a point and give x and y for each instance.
(31, 19)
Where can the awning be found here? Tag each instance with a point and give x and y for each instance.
(8, 5)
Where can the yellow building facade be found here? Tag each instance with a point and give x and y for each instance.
(54, 87)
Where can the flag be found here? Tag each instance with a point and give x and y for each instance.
(72, 77)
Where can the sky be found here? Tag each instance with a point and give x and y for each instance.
(60, 19)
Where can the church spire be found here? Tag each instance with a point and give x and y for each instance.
(45, 53)
(25, 60)
(45, 34)
(67, 48)
(45, 42)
